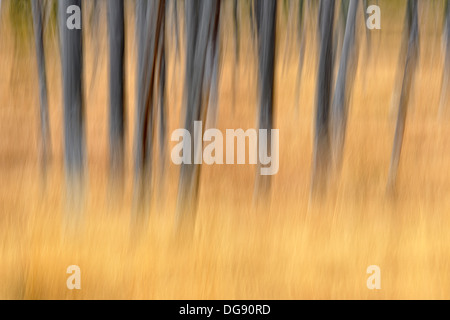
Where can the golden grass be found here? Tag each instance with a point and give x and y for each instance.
(290, 249)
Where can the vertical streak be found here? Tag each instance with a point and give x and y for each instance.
(40, 56)
(411, 60)
(116, 86)
(321, 157)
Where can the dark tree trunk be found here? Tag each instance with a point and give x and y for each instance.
(411, 61)
(116, 87)
(213, 71)
(162, 98)
(150, 15)
(45, 148)
(235, 87)
(322, 154)
(445, 90)
(266, 22)
(200, 19)
(301, 41)
(344, 83)
(402, 56)
(72, 73)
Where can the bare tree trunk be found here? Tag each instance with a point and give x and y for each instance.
(116, 88)
(402, 56)
(162, 98)
(344, 83)
(322, 154)
(72, 73)
(237, 30)
(445, 89)
(290, 6)
(176, 26)
(237, 41)
(150, 15)
(200, 17)
(301, 40)
(96, 39)
(411, 61)
(339, 31)
(45, 149)
(213, 71)
(266, 16)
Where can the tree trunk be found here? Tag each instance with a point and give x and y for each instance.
(411, 61)
(322, 154)
(45, 148)
(445, 89)
(266, 22)
(150, 15)
(200, 17)
(344, 83)
(72, 73)
(301, 41)
(116, 88)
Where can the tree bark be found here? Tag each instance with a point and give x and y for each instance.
(322, 154)
(45, 148)
(116, 88)
(411, 61)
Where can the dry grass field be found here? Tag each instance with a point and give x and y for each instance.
(289, 248)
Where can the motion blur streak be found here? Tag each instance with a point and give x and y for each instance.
(238, 238)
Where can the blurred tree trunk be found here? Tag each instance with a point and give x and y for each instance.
(150, 15)
(45, 149)
(301, 42)
(410, 66)
(266, 13)
(322, 154)
(116, 88)
(162, 98)
(445, 89)
(213, 70)
(72, 73)
(200, 18)
(402, 56)
(344, 83)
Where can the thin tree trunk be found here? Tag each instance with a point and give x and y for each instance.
(116, 88)
(162, 98)
(237, 41)
(150, 15)
(411, 61)
(45, 149)
(72, 73)
(402, 57)
(200, 17)
(301, 40)
(213, 71)
(445, 89)
(72, 66)
(322, 154)
(266, 16)
(344, 83)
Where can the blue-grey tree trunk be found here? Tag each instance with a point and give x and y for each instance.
(266, 13)
(445, 89)
(200, 18)
(150, 15)
(45, 148)
(410, 66)
(72, 74)
(301, 42)
(344, 83)
(322, 152)
(116, 88)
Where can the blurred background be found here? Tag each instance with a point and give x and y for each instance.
(86, 117)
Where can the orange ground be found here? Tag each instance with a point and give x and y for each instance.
(291, 249)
